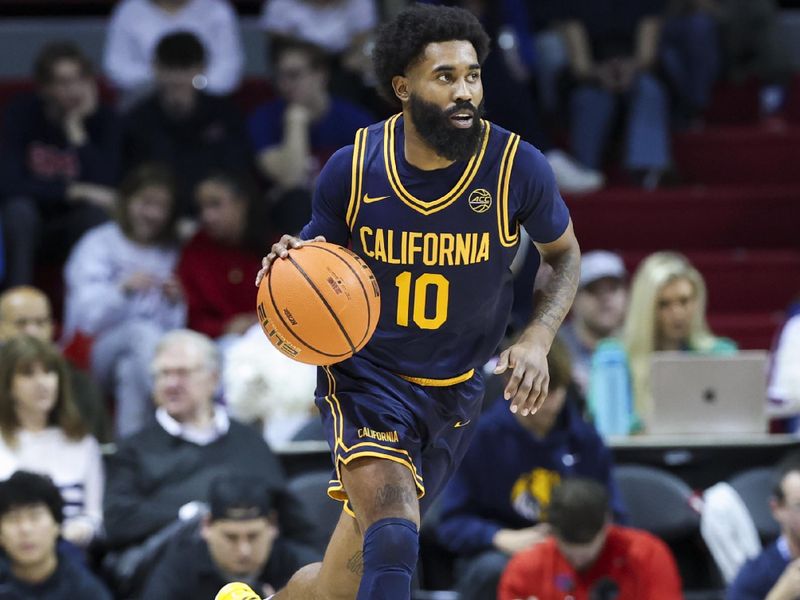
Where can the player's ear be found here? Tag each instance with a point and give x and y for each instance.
(400, 85)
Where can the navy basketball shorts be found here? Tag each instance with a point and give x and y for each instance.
(368, 411)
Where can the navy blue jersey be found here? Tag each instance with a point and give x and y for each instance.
(440, 242)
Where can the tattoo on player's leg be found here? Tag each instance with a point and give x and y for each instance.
(391, 495)
(356, 563)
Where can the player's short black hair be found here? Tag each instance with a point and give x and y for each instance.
(55, 52)
(180, 50)
(578, 510)
(29, 489)
(401, 42)
(789, 464)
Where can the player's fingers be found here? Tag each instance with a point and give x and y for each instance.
(502, 362)
(522, 399)
(541, 395)
(319, 238)
(513, 385)
(260, 276)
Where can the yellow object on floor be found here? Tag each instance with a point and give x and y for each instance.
(237, 591)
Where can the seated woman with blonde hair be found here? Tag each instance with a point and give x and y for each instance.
(667, 312)
(41, 431)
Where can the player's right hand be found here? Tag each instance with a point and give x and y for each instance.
(280, 249)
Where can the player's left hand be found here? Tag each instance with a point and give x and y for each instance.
(527, 388)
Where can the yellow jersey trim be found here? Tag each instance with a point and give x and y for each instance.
(433, 206)
(439, 382)
(397, 455)
(356, 177)
(507, 238)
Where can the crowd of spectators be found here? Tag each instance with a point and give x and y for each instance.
(158, 207)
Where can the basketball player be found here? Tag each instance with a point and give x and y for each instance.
(433, 200)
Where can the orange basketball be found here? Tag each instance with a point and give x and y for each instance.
(320, 305)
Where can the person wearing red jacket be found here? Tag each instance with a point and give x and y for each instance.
(588, 558)
(216, 265)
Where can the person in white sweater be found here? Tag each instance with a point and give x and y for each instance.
(122, 292)
(41, 431)
(136, 26)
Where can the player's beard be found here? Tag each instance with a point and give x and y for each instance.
(436, 128)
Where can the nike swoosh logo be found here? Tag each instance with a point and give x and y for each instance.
(368, 200)
(462, 423)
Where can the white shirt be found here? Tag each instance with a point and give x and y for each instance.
(784, 385)
(74, 466)
(331, 26)
(97, 265)
(202, 437)
(136, 27)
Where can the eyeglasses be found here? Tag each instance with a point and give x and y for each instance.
(178, 372)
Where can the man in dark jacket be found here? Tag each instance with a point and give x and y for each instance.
(181, 125)
(161, 475)
(59, 161)
(238, 540)
(33, 565)
(494, 505)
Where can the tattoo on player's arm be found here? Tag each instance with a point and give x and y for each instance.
(557, 295)
(392, 495)
(355, 563)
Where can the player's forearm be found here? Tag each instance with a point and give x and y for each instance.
(555, 299)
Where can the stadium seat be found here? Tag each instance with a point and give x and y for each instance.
(755, 488)
(658, 501)
(311, 491)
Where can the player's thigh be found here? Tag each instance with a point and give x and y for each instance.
(380, 488)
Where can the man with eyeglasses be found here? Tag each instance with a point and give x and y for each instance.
(775, 573)
(159, 475)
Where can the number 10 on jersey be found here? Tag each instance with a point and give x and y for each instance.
(412, 300)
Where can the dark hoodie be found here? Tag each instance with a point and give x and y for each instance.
(508, 473)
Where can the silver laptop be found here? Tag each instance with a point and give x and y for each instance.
(694, 394)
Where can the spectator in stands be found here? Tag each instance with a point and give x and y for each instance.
(157, 475)
(613, 49)
(597, 312)
(667, 312)
(753, 47)
(588, 557)
(33, 565)
(41, 431)
(26, 311)
(182, 126)
(238, 540)
(775, 573)
(137, 26)
(264, 386)
(58, 162)
(123, 292)
(494, 505)
(217, 264)
(341, 28)
(511, 98)
(691, 55)
(784, 377)
(295, 134)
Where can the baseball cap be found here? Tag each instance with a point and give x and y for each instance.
(599, 264)
(240, 497)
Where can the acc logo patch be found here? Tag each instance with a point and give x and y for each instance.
(480, 200)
